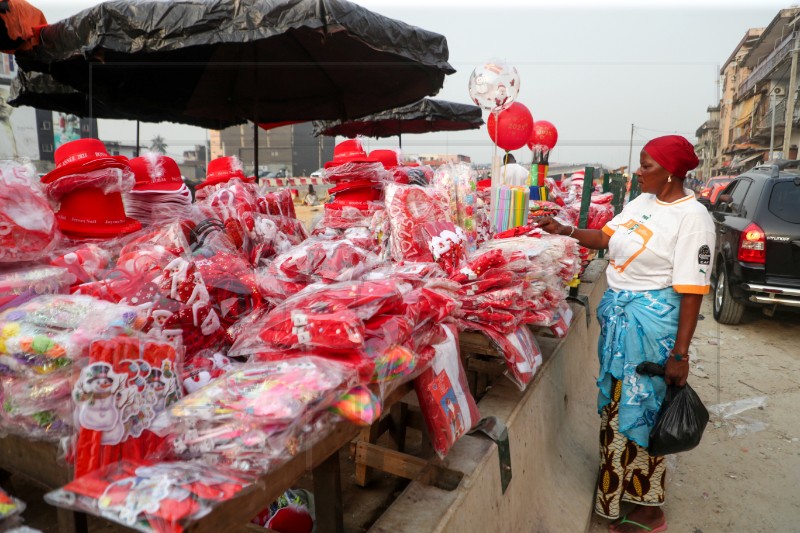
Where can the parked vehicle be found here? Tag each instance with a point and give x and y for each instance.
(317, 173)
(709, 194)
(757, 251)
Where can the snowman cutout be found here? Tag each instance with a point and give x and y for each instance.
(99, 397)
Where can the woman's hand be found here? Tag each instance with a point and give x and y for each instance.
(550, 225)
(676, 372)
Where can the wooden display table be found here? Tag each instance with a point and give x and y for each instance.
(37, 461)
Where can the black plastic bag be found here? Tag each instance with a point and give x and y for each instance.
(681, 420)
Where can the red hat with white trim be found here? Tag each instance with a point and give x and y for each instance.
(90, 213)
(223, 169)
(80, 156)
(156, 172)
(349, 151)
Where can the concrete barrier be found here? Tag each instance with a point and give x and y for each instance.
(553, 435)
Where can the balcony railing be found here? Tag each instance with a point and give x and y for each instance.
(766, 66)
(765, 121)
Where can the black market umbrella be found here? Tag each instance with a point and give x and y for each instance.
(262, 60)
(425, 116)
(39, 90)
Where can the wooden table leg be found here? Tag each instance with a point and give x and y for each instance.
(71, 521)
(398, 414)
(328, 496)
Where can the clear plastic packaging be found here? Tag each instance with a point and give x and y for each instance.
(144, 496)
(447, 405)
(27, 222)
(116, 179)
(42, 344)
(322, 260)
(86, 262)
(21, 284)
(271, 235)
(259, 415)
(408, 209)
(10, 507)
(126, 383)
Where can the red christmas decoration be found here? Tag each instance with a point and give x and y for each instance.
(511, 128)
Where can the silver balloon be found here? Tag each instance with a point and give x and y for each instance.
(495, 84)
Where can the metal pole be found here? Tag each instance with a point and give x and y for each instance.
(255, 149)
(787, 136)
(772, 125)
(630, 154)
(136, 151)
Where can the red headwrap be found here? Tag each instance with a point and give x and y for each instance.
(674, 153)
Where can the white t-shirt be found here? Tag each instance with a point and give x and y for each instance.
(513, 175)
(655, 245)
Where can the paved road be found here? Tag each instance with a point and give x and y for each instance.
(743, 478)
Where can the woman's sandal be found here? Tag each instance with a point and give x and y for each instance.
(624, 520)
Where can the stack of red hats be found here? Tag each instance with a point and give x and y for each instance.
(357, 175)
(159, 193)
(220, 171)
(88, 184)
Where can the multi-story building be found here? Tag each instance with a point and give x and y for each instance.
(291, 149)
(759, 110)
(708, 144)
(732, 72)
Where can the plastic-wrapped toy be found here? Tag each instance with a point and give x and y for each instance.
(86, 263)
(49, 332)
(319, 259)
(38, 407)
(27, 222)
(409, 208)
(259, 414)
(9, 507)
(447, 244)
(521, 353)
(21, 284)
(449, 409)
(164, 497)
(459, 183)
(126, 383)
(291, 513)
(359, 405)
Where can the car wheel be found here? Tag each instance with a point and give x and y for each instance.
(726, 309)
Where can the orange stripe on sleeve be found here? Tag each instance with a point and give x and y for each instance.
(692, 289)
(608, 231)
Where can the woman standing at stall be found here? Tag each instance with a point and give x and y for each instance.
(660, 265)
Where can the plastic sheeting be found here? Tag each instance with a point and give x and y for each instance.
(265, 60)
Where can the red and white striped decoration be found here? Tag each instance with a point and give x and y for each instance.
(286, 182)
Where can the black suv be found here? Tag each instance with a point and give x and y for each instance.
(757, 253)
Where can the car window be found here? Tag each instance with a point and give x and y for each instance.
(738, 195)
(751, 200)
(784, 201)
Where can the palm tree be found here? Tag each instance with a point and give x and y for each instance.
(158, 144)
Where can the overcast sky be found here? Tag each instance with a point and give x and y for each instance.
(590, 68)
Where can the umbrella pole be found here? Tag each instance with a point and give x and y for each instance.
(400, 140)
(136, 152)
(255, 149)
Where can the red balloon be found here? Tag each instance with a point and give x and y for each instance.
(544, 133)
(511, 128)
(532, 140)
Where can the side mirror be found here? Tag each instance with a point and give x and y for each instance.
(719, 217)
(722, 207)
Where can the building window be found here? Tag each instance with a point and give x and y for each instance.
(47, 148)
(47, 125)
